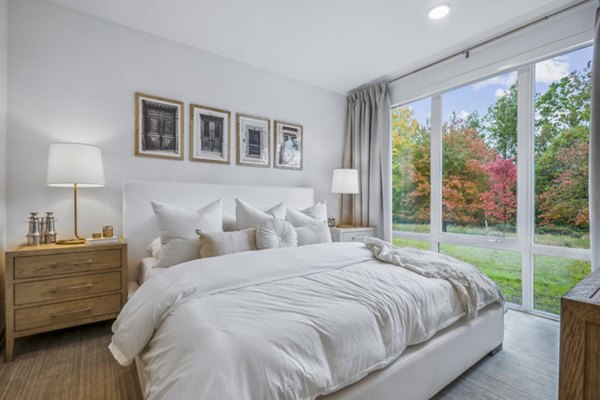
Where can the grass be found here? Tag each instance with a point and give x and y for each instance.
(553, 276)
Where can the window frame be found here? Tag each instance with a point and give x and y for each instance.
(524, 242)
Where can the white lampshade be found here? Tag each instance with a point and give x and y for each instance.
(75, 163)
(345, 181)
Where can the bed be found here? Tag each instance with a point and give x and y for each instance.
(414, 367)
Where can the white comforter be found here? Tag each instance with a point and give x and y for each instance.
(277, 324)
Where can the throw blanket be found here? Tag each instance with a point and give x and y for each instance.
(289, 324)
(472, 287)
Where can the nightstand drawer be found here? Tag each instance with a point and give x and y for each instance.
(64, 288)
(34, 266)
(351, 236)
(71, 311)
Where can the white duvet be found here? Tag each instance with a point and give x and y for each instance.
(278, 324)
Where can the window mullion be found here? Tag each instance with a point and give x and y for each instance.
(436, 171)
(525, 178)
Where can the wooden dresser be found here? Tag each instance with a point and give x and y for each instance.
(51, 287)
(580, 341)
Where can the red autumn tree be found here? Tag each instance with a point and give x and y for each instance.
(500, 201)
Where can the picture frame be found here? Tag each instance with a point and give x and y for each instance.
(158, 127)
(287, 151)
(253, 141)
(210, 134)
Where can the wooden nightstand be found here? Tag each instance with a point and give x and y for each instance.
(52, 287)
(350, 234)
(580, 340)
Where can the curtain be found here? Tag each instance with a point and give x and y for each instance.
(367, 148)
(595, 150)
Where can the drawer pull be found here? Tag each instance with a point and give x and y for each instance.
(75, 287)
(76, 264)
(62, 314)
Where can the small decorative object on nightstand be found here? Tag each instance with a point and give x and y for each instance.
(350, 234)
(52, 287)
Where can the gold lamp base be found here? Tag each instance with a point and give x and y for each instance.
(71, 241)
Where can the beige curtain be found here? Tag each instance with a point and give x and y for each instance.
(367, 148)
(595, 151)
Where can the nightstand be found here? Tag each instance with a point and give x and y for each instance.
(350, 234)
(580, 340)
(51, 287)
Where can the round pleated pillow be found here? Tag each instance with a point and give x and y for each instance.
(275, 233)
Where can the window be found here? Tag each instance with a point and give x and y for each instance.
(495, 173)
(479, 139)
(562, 126)
(411, 164)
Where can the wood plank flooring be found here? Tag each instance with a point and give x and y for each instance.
(75, 364)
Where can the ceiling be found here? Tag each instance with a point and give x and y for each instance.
(336, 45)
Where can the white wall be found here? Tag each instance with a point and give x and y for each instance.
(3, 129)
(72, 77)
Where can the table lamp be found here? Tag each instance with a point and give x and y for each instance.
(74, 165)
(344, 181)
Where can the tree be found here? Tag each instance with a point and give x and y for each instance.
(410, 143)
(500, 200)
(465, 174)
(500, 124)
(566, 104)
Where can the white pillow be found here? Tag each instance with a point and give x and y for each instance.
(248, 216)
(313, 233)
(154, 248)
(177, 227)
(318, 212)
(229, 222)
(274, 234)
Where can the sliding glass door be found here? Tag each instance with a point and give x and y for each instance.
(495, 173)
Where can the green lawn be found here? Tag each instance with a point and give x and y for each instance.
(553, 276)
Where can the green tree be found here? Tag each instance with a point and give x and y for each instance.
(500, 124)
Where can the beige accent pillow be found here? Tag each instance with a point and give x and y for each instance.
(213, 244)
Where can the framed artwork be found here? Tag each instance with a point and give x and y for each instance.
(209, 134)
(288, 146)
(254, 140)
(158, 127)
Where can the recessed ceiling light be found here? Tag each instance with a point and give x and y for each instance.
(439, 11)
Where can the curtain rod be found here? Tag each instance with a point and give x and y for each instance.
(481, 44)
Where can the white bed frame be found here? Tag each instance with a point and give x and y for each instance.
(419, 373)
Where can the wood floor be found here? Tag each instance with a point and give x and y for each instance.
(75, 364)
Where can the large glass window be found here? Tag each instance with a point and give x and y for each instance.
(479, 189)
(562, 131)
(553, 277)
(411, 165)
(463, 197)
(503, 267)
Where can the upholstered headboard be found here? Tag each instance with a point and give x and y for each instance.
(139, 222)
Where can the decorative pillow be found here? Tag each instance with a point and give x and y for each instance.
(229, 222)
(275, 233)
(318, 212)
(178, 226)
(154, 248)
(221, 243)
(313, 233)
(248, 216)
